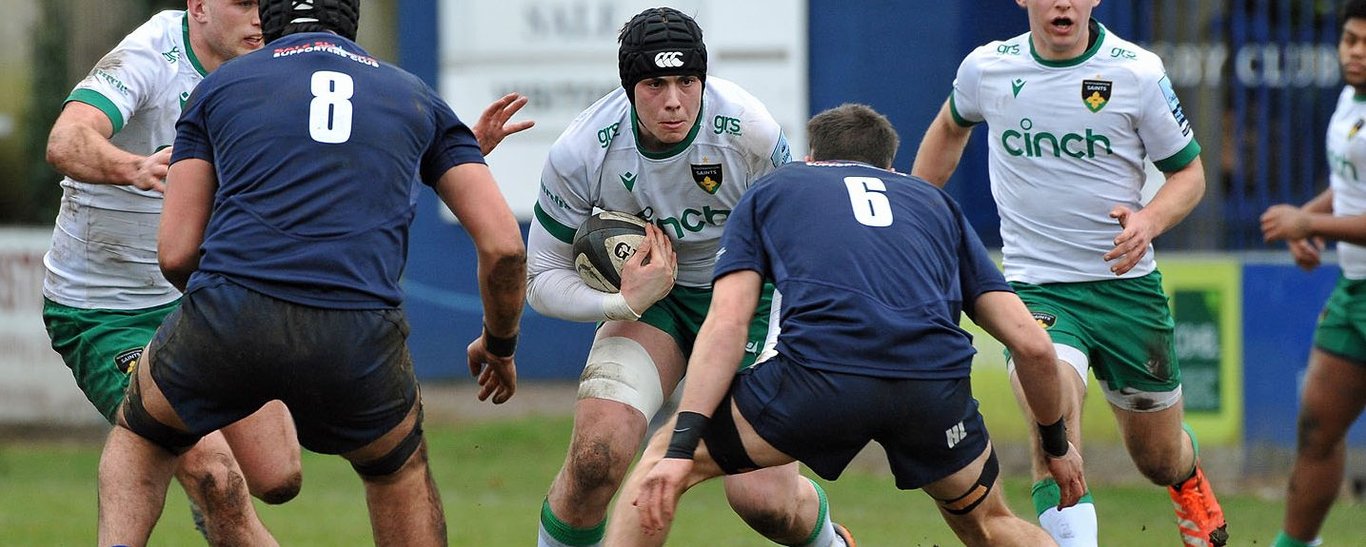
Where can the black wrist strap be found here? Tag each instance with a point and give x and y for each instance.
(1053, 438)
(688, 430)
(499, 346)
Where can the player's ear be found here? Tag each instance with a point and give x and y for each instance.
(196, 9)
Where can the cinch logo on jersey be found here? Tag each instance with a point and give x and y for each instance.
(669, 59)
(689, 221)
(606, 134)
(1341, 166)
(1038, 145)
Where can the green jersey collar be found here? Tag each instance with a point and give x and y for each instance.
(673, 150)
(189, 48)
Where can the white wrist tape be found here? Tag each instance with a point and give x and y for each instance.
(614, 306)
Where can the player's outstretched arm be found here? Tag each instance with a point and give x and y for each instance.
(471, 193)
(941, 148)
(184, 215)
(493, 126)
(79, 147)
(1006, 318)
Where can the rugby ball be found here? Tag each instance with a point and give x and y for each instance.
(602, 244)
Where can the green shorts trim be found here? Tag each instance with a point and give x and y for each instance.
(1124, 327)
(680, 314)
(1342, 326)
(101, 347)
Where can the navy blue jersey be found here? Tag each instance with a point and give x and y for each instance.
(317, 147)
(874, 268)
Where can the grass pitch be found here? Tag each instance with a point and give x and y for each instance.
(494, 475)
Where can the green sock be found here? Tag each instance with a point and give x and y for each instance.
(1283, 540)
(1047, 495)
(567, 534)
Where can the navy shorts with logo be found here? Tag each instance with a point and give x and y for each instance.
(345, 375)
(930, 429)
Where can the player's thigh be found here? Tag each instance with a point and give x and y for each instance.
(972, 492)
(101, 346)
(266, 446)
(1134, 349)
(766, 487)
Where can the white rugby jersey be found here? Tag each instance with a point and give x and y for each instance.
(1347, 163)
(103, 253)
(687, 191)
(1067, 144)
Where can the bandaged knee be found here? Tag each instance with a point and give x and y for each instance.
(619, 369)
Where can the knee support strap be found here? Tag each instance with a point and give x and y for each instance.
(139, 421)
(390, 463)
(975, 495)
(619, 369)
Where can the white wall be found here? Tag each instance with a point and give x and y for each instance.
(35, 386)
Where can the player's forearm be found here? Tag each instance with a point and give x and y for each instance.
(83, 154)
(941, 149)
(554, 288)
(1006, 319)
(716, 354)
(1322, 203)
(1178, 197)
(1351, 229)
(502, 286)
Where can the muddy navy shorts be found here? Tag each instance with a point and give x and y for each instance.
(929, 428)
(345, 375)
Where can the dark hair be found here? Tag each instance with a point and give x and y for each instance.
(659, 42)
(853, 132)
(1352, 9)
(285, 17)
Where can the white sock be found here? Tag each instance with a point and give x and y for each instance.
(1074, 526)
(827, 536)
(543, 539)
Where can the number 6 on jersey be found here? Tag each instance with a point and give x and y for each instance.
(871, 207)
